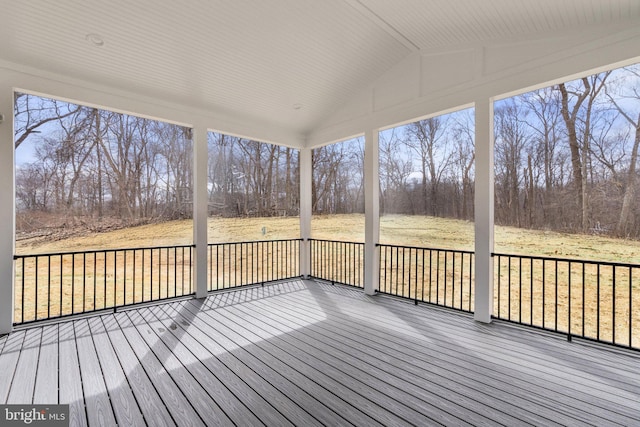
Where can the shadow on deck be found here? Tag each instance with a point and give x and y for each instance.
(307, 353)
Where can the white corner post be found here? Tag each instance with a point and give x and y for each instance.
(200, 208)
(306, 178)
(7, 209)
(484, 204)
(371, 211)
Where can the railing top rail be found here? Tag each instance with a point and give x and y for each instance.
(254, 241)
(569, 260)
(336, 241)
(99, 251)
(460, 251)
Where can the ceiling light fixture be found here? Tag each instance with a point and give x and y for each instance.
(95, 39)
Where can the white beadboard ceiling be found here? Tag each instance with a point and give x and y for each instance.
(258, 59)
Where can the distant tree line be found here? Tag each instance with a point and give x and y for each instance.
(427, 167)
(338, 178)
(85, 162)
(251, 178)
(566, 158)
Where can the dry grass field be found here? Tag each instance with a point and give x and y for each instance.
(406, 230)
(594, 301)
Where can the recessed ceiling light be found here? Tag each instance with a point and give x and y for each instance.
(297, 106)
(95, 39)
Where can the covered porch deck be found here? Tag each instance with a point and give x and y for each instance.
(303, 352)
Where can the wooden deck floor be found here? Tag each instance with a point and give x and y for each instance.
(304, 353)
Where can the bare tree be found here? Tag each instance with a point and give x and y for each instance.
(629, 92)
(464, 160)
(511, 140)
(395, 170)
(427, 139)
(31, 113)
(577, 108)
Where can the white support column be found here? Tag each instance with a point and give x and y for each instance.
(306, 178)
(200, 208)
(371, 211)
(484, 202)
(7, 209)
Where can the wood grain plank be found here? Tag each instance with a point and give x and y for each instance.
(359, 358)
(469, 383)
(148, 399)
(372, 387)
(9, 361)
(123, 401)
(25, 375)
(176, 403)
(458, 343)
(194, 392)
(307, 353)
(233, 337)
(96, 396)
(70, 377)
(46, 387)
(224, 387)
(255, 389)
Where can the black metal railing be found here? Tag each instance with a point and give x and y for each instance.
(442, 277)
(338, 261)
(248, 263)
(589, 299)
(56, 285)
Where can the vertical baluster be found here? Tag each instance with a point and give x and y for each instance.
(520, 289)
(630, 307)
(49, 287)
(569, 302)
(613, 305)
(583, 296)
(531, 291)
(598, 304)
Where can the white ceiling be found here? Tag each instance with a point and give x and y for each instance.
(258, 59)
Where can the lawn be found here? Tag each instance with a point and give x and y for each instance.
(407, 230)
(602, 308)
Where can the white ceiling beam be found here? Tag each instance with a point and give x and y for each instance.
(383, 25)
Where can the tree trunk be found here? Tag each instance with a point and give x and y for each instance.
(569, 118)
(630, 191)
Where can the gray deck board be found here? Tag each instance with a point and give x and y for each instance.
(291, 412)
(343, 369)
(124, 403)
(213, 377)
(568, 392)
(183, 413)
(523, 348)
(185, 379)
(466, 381)
(98, 404)
(450, 356)
(307, 353)
(271, 353)
(70, 378)
(26, 368)
(261, 395)
(46, 387)
(237, 377)
(397, 373)
(154, 409)
(8, 362)
(252, 367)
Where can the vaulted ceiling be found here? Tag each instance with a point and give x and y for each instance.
(288, 64)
